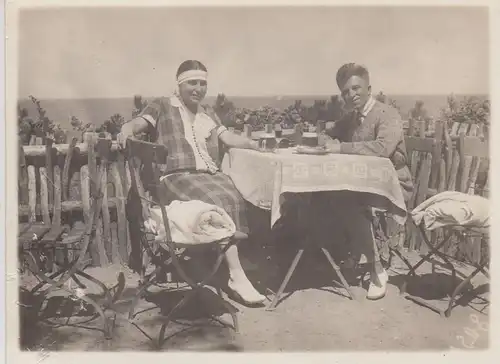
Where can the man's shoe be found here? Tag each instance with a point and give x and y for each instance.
(378, 290)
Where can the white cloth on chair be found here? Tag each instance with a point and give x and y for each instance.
(192, 222)
(454, 208)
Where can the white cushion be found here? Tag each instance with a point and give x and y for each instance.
(451, 208)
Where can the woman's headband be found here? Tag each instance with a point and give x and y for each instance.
(192, 75)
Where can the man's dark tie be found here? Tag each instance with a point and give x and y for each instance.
(358, 118)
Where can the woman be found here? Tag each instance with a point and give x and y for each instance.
(191, 132)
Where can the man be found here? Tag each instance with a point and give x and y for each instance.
(369, 128)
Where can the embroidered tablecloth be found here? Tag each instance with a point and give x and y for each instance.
(263, 178)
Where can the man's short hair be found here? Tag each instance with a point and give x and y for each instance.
(351, 69)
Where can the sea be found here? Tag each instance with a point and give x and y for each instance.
(97, 110)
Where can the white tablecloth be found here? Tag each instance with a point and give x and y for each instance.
(262, 178)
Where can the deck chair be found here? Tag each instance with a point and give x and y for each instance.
(34, 241)
(145, 161)
(465, 235)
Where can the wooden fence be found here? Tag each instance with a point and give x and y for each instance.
(55, 186)
(451, 171)
(56, 181)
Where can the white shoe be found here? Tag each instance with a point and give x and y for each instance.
(378, 290)
(246, 292)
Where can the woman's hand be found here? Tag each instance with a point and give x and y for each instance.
(232, 140)
(121, 139)
(126, 132)
(254, 145)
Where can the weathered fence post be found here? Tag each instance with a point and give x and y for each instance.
(103, 150)
(122, 224)
(97, 250)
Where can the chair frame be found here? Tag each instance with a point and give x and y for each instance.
(467, 146)
(141, 154)
(77, 266)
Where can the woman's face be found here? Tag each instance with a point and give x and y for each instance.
(193, 91)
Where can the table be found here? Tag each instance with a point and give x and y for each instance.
(263, 179)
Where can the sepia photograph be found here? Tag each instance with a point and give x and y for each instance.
(255, 178)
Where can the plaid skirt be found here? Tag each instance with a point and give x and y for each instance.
(216, 189)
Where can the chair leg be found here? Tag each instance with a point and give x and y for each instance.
(455, 290)
(43, 283)
(145, 285)
(233, 314)
(402, 257)
(458, 290)
(433, 250)
(402, 289)
(295, 261)
(195, 289)
(85, 298)
(168, 318)
(338, 272)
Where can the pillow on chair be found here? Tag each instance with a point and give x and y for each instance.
(454, 208)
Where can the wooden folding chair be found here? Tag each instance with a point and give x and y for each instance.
(424, 154)
(33, 242)
(467, 147)
(145, 161)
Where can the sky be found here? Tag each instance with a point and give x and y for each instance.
(119, 52)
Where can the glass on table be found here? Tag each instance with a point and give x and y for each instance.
(277, 130)
(309, 139)
(267, 141)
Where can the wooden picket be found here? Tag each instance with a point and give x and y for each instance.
(449, 171)
(48, 198)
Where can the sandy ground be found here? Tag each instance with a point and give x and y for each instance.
(312, 318)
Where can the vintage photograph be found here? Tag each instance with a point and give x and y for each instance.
(253, 178)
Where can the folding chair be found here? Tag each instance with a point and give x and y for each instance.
(31, 250)
(425, 150)
(145, 160)
(467, 146)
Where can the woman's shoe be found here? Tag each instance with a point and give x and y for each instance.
(377, 291)
(252, 299)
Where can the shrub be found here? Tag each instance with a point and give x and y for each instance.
(42, 126)
(471, 110)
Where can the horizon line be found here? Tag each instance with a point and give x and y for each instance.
(259, 96)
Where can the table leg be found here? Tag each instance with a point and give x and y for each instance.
(338, 272)
(294, 264)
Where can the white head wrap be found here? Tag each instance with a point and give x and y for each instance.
(192, 75)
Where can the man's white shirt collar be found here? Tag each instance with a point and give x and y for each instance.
(368, 106)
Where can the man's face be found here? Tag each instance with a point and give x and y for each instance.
(193, 91)
(355, 92)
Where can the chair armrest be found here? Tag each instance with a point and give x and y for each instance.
(146, 151)
(238, 235)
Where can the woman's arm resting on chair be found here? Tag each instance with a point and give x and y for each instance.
(232, 140)
(131, 129)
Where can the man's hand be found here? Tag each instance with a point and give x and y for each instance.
(331, 145)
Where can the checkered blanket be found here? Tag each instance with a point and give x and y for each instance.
(216, 189)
